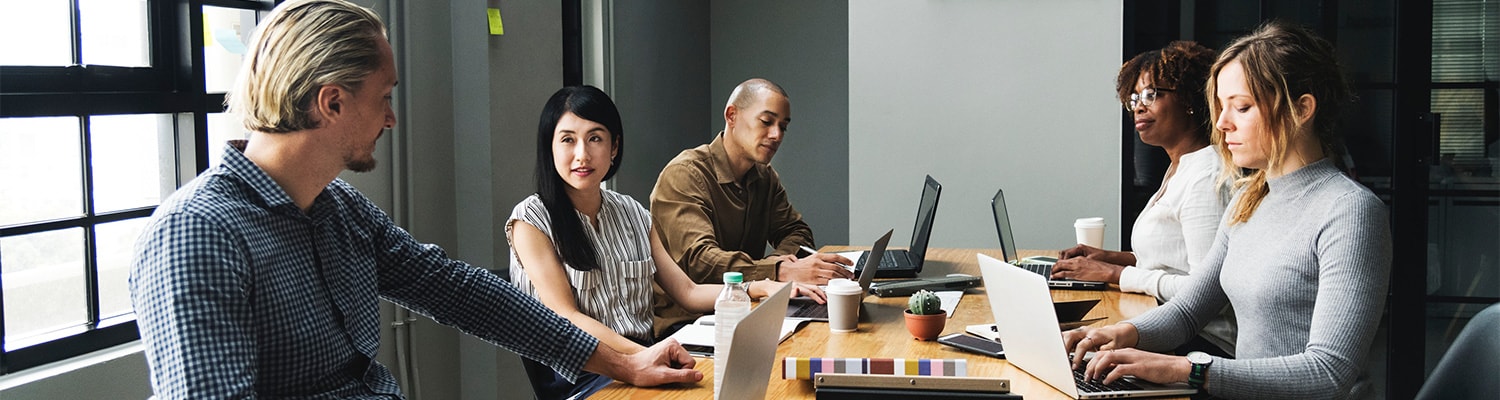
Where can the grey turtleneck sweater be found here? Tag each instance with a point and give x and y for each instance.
(1307, 276)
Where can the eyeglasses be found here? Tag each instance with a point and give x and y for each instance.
(1144, 98)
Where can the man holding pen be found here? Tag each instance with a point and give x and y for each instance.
(718, 206)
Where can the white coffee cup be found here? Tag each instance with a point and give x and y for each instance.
(843, 305)
(1090, 231)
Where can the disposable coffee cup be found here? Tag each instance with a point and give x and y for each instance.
(1090, 231)
(843, 305)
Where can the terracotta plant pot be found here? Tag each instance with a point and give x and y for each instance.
(925, 327)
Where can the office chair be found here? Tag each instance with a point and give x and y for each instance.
(1469, 368)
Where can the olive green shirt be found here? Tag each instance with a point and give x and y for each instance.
(712, 223)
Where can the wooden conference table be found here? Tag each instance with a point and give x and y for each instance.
(884, 335)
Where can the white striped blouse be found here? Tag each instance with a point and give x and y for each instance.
(618, 294)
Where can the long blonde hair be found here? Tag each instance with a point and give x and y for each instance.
(1282, 62)
(302, 46)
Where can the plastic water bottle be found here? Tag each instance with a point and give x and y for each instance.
(732, 306)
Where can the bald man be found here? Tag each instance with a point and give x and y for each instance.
(717, 206)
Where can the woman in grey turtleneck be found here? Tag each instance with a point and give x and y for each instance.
(1303, 252)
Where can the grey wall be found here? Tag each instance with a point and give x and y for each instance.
(675, 59)
(804, 47)
(661, 82)
(984, 94)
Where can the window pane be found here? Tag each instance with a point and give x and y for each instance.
(226, 31)
(40, 173)
(1461, 143)
(1365, 35)
(115, 32)
(1367, 132)
(46, 28)
(128, 166)
(43, 277)
(222, 127)
(116, 244)
(1464, 45)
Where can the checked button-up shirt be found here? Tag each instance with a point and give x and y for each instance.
(240, 294)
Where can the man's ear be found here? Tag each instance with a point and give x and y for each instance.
(730, 112)
(329, 102)
(1307, 106)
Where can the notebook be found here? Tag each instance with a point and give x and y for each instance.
(1028, 328)
(907, 263)
(802, 307)
(752, 352)
(1039, 265)
(698, 337)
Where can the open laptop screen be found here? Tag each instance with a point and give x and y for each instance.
(926, 213)
(1002, 225)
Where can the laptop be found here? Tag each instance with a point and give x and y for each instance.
(807, 308)
(752, 353)
(1028, 328)
(1040, 265)
(907, 263)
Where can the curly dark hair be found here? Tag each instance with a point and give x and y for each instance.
(1181, 66)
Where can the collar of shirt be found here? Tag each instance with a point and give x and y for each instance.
(266, 191)
(719, 159)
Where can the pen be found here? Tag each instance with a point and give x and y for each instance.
(810, 251)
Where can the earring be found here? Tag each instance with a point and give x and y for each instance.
(1190, 111)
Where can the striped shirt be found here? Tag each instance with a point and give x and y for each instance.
(240, 294)
(618, 293)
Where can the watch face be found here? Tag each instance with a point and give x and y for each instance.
(1198, 357)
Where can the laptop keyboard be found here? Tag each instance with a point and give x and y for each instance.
(1043, 269)
(1085, 385)
(810, 310)
(886, 261)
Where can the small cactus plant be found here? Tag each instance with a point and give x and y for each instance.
(924, 302)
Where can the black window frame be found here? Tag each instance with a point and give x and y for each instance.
(173, 85)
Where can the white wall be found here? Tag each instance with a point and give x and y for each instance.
(984, 94)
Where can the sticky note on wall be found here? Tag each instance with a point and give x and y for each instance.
(496, 26)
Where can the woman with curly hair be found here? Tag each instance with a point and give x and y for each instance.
(1163, 91)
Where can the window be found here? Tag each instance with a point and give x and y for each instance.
(1465, 69)
(107, 108)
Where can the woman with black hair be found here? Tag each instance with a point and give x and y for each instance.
(591, 254)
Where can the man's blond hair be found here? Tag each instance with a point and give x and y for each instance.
(302, 46)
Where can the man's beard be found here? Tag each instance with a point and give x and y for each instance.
(365, 165)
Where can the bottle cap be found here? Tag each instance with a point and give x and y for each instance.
(734, 277)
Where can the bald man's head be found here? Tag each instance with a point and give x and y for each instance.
(755, 119)
(750, 91)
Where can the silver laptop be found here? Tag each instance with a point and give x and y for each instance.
(1028, 328)
(1039, 265)
(803, 307)
(752, 352)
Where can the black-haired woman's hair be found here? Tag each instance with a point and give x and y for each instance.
(592, 104)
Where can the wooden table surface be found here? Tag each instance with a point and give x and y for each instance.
(884, 335)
